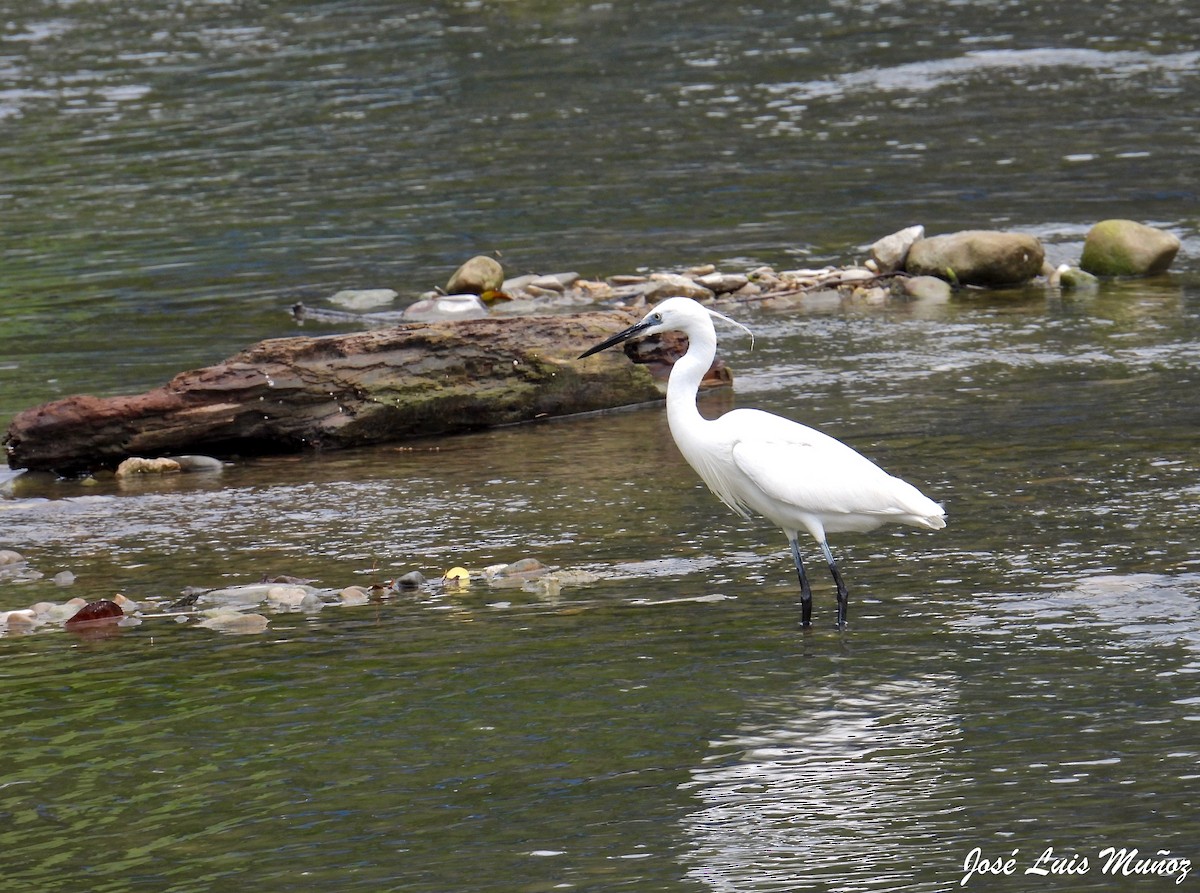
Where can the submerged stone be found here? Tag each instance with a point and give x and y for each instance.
(353, 595)
(447, 307)
(235, 623)
(364, 298)
(927, 288)
(198, 464)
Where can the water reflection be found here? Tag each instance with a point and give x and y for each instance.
(811, 792)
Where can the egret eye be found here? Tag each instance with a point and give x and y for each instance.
(657, 317)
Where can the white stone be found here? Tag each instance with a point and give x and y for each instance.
(446, 307)
(363, 298)
(890, 251)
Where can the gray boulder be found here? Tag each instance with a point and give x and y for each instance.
(1127, 248)
(977, 257)
(890, 252)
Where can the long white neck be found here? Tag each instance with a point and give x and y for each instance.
(685, 379)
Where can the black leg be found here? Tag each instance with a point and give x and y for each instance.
(805, 590)
(842, 595)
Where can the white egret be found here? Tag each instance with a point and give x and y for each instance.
(791, 474)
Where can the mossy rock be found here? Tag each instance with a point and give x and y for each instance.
(478, 275)
(1127, 248)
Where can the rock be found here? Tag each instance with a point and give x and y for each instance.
(890, 252)
(364, 298)
(127, 605)
(235, 623)
(977, 257)
(8, 556)
(65, 611)
(723, 283)
(522, 569)
(445, 307)
(136, 465)
(556, 281)
(481, 273)
(96, 613)
(1127, 248)
(517, 283)
(926, 288)
(353, 595)
(411, 580)
(198, 464)
(286, 597)
(1067, 277)
(671, 285)
(64, 579)
(338, 391)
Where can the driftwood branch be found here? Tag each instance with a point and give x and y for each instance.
(338, 391)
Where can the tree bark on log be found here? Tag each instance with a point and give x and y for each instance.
(336, 391)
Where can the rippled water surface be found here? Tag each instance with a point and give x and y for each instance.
(174, 175)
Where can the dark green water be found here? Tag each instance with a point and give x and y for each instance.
(174, 175)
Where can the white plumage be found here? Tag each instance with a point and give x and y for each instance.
(792, 475)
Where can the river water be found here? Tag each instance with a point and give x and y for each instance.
(173, 175)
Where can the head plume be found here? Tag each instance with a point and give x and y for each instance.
(727, 319)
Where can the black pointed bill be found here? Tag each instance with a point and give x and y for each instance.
(617, 338)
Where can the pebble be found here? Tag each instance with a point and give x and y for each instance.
(8, 556)
(127, 605)
(23, 618)
(353, 595)
(64, 578)
(136, 465)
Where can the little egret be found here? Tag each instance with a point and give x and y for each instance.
(792, 475)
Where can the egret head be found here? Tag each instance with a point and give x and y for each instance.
(672, 315)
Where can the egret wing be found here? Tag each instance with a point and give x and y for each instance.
(817, 474)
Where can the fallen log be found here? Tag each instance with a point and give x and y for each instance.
(337, 391)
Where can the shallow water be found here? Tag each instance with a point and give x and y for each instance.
(180, 173)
